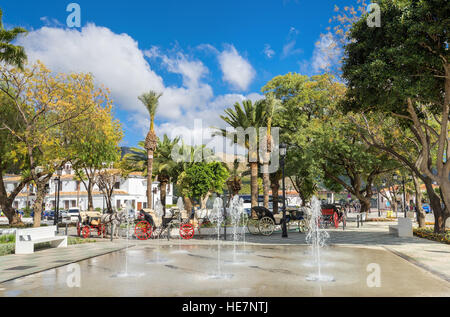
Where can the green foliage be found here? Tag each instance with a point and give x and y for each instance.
(404, 58)
(9, 53)
(200, 178)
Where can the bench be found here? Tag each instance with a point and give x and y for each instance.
(27, 238)
(403, 228)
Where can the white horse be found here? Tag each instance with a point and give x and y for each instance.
(115, 219)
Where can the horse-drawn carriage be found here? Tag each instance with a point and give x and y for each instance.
(262, 221)
(151, 225)
(88, 222)
(332, 214)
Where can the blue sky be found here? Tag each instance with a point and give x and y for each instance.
(203, 55)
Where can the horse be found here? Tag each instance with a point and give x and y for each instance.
(115, 219)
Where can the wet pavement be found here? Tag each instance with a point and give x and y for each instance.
(194, 269)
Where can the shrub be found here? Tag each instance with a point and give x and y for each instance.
(428, 233)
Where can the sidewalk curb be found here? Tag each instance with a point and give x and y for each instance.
(425, 267)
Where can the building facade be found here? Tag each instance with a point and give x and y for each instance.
(128, 191)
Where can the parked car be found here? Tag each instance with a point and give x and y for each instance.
(74, 213)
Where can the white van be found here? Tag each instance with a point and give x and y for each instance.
(73, 213)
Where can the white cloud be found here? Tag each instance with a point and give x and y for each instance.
(289, 48)
(114, 59)
(326, 53)
(176, 101)
(116, 62)
(268, 51)
(237, 71)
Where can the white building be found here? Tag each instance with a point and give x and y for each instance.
(73, 192)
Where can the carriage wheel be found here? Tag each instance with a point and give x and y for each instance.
(187, 231)
(86, 232)
(302, 226)
(143, 230)
(266, 226)
(252, 226)
(336, 220)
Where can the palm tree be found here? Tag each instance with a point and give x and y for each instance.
(165, 167)
(11, 54)
(272, 105)
(150, 101)
(250, 115)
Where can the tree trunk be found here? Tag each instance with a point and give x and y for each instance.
(254, 183)
(204, 200)
(90, 198)
(275, 198)
(37, 206)
(188, 204)
(420, 214)
(435, 204)
(266, 184)
(163, 194)
(6, 205)
(149, 178)
(365, 204)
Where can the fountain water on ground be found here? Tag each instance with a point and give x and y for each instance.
(159, 212)
(317, 238)
(216, 216)
(237, 213)
(128, 210)
(180, 206)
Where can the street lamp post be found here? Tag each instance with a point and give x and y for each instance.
(404, 195)
(58, 179)
(283, 149)
(395, 177)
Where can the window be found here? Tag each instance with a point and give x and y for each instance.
(117, 185)
(118, 204)
(74, 203)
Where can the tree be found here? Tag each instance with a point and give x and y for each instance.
(201, 178)
(47, 109)
(97, 145)
(106, 180)
(12, 160)
(347, 161)
(248, 118)
(272, 105)
(402, 69)
(150, 101)
(9, 53)
(302, 99)
(165, 167)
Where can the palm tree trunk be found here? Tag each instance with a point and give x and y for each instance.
(163, 194)
(149, 178)
(266, 184)
(254, 183)
(275, 187)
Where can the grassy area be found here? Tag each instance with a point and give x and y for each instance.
(428, 233)
(7, 243)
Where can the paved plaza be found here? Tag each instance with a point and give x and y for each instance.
(419, 265)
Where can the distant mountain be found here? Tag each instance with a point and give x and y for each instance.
(125, 150)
